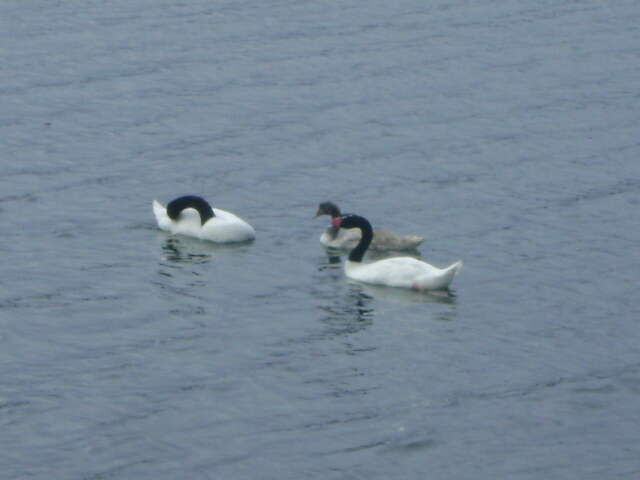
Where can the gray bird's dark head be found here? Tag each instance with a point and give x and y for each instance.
(328, 208)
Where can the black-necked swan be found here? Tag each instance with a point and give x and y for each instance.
(335, 237)
(404, 272)
(193, 216)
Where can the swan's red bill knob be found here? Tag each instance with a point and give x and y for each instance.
(336, 221)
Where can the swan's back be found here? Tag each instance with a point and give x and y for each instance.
(394, 272)
(227, 227)
(383, 240)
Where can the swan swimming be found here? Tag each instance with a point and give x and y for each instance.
(404, 272)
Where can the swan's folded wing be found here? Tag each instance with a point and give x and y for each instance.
(393, 272)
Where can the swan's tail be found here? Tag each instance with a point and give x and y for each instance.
(160, 213)
(450, 272)
(456, 267)
(411, 241)
(442, 280)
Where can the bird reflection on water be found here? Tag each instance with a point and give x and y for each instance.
(405, 295)
(350, 314)
(174, 251)
(179, 249)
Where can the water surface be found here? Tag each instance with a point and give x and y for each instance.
(506, 133)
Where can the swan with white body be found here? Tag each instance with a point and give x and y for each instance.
(336, 237)
(193, 216)
(403, 272)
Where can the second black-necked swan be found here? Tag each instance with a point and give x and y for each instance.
(195, 217)
(405, 272)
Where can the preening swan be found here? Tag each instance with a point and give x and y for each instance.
(194, 217)
(405, 272)
(336, 237)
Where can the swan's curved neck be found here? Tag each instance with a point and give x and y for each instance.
(367, 235)
(190, 201)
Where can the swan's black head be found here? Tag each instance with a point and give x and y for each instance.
(328, 208)
(175, 207)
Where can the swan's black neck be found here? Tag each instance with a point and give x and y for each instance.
(363, 224)
(190, 201)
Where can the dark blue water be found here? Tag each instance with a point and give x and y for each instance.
(505, 132)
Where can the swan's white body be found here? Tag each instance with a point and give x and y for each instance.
(403, 272)
(224, 227)
(381, 240)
